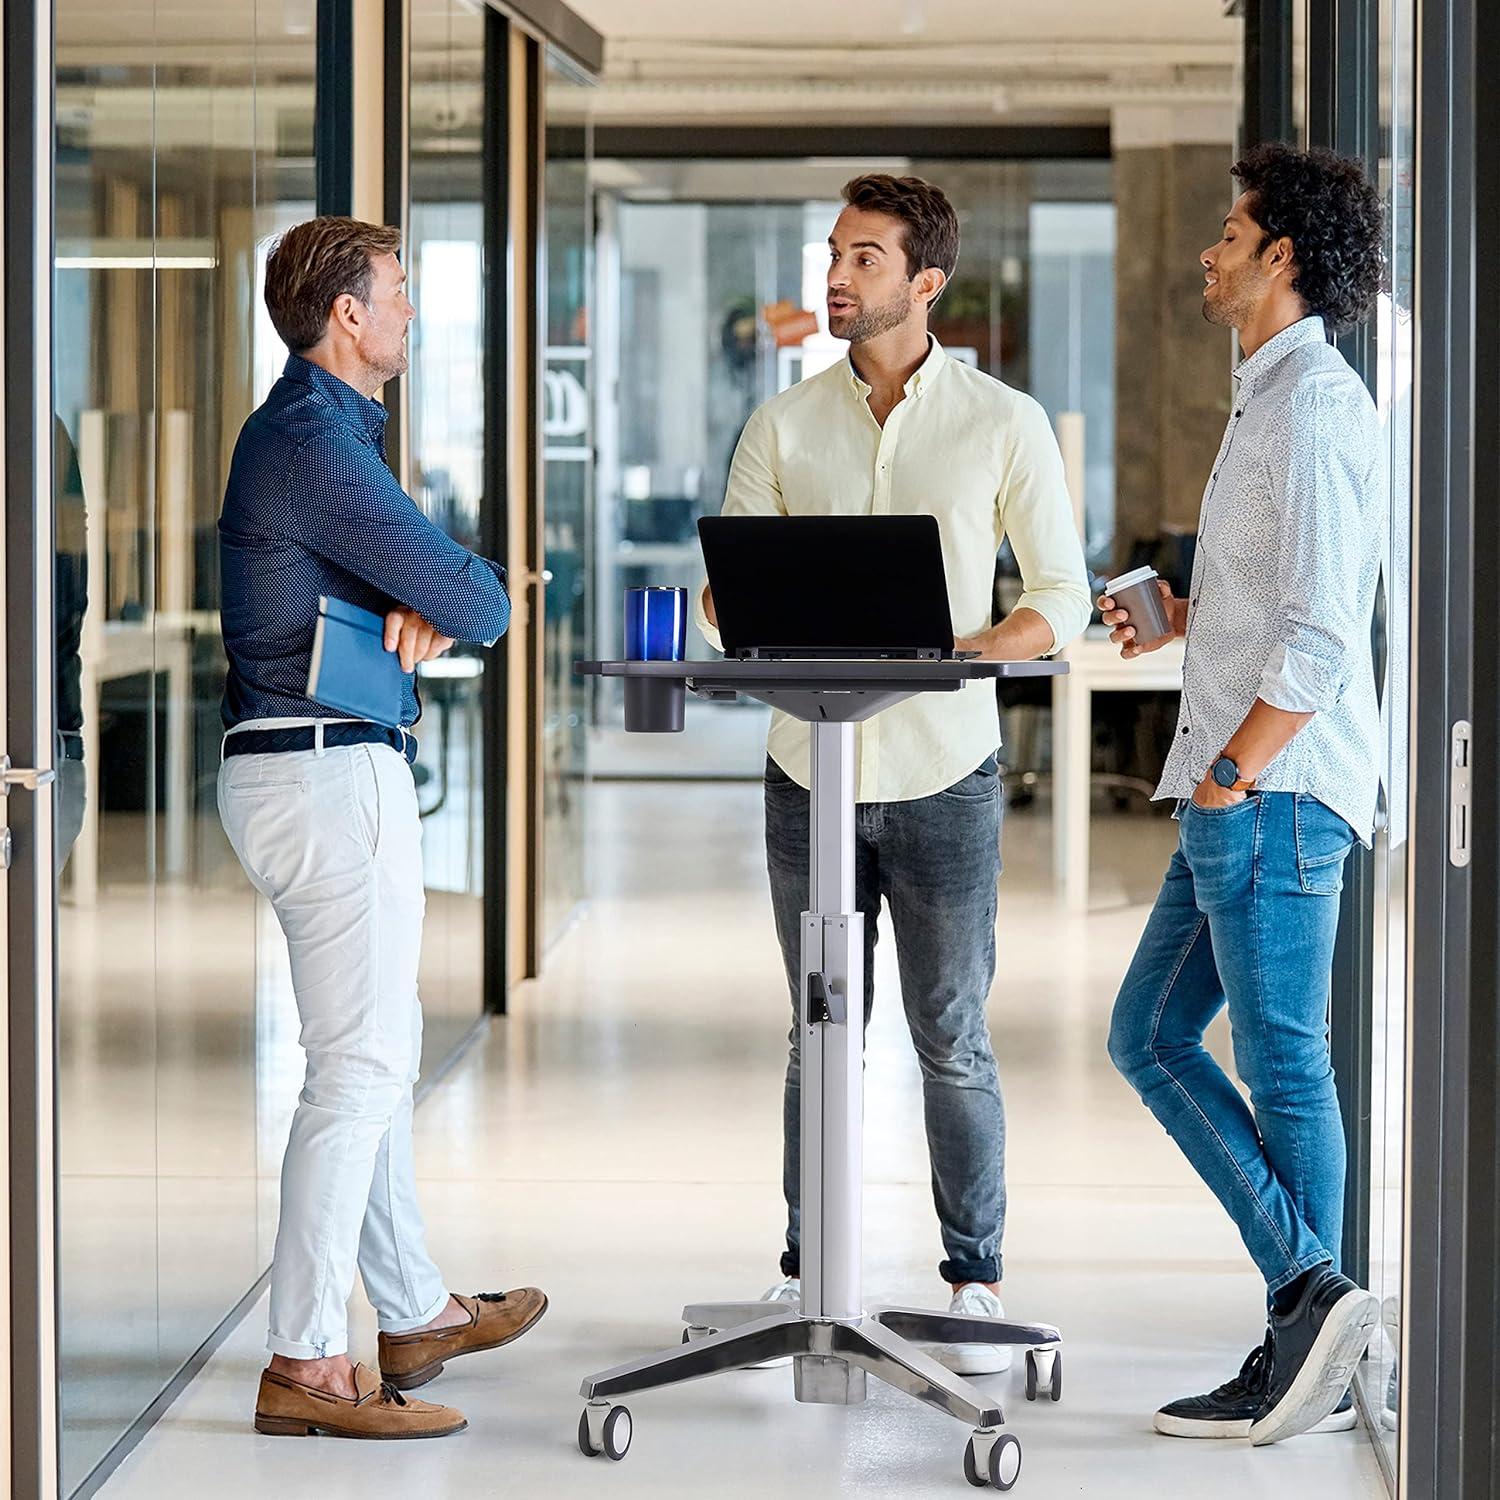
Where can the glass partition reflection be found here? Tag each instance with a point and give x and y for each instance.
(445, 394)
(183, 142)
(568, 492)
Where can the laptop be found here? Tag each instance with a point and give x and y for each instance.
(829, 586)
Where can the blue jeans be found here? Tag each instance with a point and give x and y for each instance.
(1247, 917)
(936, 861)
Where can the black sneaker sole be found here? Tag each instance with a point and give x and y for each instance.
(1326, 1373)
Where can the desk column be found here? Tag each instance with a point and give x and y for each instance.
(832, 1047)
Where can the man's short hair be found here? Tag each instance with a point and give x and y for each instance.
(314, 264)
(929, 220)
(1330, 211)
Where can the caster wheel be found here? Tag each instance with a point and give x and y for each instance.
(617, 1431)
(975, 1467)
(614, 1434)
(1005, 1461)
(1044, 1373)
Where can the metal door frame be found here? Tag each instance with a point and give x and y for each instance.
(28, 711)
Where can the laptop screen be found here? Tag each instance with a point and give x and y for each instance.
(834, 586)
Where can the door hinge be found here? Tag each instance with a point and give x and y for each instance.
(1460, 794)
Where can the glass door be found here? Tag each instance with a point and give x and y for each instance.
(1394, 360)
(28, 650)
(567, 486)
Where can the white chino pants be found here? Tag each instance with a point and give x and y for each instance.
(332, 839)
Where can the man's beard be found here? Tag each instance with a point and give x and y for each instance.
(1233, 307)
(870, 322)
(388, 367)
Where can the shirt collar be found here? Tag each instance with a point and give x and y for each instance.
(367, 416)
(1309, 330)
(921, 378)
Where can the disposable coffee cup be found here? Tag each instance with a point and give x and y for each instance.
(1137, 594)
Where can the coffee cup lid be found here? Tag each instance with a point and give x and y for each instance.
(1128, 580)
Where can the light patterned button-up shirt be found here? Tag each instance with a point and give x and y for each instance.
(1293, 528)
(965, 448)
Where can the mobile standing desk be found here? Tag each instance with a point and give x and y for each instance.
(833, 1339)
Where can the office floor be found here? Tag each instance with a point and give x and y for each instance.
(616, 1141)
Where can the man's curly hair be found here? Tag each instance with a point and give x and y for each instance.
(1332, 214)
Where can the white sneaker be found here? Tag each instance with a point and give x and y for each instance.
(976, 1359)
(787, 1293)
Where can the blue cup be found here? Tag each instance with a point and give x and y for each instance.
(655, 624)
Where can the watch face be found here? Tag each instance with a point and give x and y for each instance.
(1226, 773)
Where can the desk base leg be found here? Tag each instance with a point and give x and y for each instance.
(773, 1337)
(832, 1359)
(721, 1315)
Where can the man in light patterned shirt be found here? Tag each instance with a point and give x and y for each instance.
(1275, 766)
(899, 428)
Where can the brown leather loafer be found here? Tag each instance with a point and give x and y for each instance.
(408, 1360)
(287, 1408)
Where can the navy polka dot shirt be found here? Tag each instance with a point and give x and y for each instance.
(310, 509)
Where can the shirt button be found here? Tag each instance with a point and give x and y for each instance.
(1184, 730)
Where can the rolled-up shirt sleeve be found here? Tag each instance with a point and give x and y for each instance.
(1036, 513)
(358, 515)
(753, 490)
(1329, 479)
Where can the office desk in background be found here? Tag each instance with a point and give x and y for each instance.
(1095, 666)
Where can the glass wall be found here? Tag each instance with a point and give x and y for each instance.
(568, 491)
(445, 403)
(184, 141)
(1395, 353)
(711, 296)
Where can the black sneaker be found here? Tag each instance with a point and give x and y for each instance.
(1314, 1350)
(1229, 1411)
(1225, 1413)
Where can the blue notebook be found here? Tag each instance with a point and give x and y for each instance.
(351, 670)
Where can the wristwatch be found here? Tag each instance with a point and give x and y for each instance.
(1227, 775)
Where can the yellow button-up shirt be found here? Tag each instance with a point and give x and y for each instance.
(965, 448)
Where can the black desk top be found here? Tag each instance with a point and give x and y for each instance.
(816, 690)
(822, 673)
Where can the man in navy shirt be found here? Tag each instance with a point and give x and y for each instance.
(322, 812)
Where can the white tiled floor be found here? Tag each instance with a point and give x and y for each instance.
(615, 1140)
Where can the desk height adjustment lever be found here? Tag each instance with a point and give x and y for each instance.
(826, 1006)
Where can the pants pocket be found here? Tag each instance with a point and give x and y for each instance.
(1323, 842)
(982, 783)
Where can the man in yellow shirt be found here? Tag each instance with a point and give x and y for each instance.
(900, 429)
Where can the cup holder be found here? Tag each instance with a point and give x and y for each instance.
(655, 705)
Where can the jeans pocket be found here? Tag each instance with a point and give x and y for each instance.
(982, 783)
(775, 776)
(1323, 842)
(1218, 812)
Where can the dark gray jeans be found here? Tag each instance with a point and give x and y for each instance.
(936, 861)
